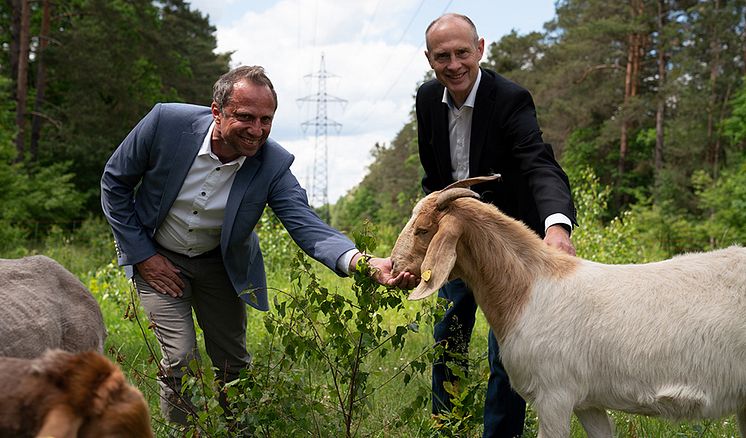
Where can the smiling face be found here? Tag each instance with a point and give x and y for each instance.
(243, 125)
(454, 51)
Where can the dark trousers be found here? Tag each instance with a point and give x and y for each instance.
(504, 410)
(220, 313)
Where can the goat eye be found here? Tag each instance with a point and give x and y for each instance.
(419, 231)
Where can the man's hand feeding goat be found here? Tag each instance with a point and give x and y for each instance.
(663, 339)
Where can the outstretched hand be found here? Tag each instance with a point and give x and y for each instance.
(381, 272)
(558, 237)
(162, 275)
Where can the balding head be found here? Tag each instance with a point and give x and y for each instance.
(449, 17)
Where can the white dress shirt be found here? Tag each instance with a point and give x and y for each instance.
(195, 220)
(459, 130)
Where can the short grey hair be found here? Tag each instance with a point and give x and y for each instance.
(223, 88)
(448, 16)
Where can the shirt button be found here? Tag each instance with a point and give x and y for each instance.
(191, 231)
(203, 193)
(194, 212)
(217, 168)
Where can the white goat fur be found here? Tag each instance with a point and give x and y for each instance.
(662, 339)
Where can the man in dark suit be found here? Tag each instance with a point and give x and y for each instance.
(183, 193)
(472, 122)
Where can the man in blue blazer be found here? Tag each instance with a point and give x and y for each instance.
(473, 122)
(183, 193)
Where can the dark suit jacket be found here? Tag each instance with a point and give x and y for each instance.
(144, 175)
(505, 139)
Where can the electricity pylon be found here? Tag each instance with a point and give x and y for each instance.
(320, 182)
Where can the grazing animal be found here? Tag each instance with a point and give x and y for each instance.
(42, 306)
(68, 395)
(661, 339)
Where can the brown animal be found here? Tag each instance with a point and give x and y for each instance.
(69, 395)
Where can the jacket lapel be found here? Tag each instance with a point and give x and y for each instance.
(181, 161)
(441, 137)
(483, 105)
(238, 189)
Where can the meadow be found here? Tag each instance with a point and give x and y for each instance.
(333, 357)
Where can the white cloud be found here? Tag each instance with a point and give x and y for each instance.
(375, 49)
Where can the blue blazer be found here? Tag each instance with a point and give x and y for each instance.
(145, 173)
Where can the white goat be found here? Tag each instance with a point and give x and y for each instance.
(662, 339)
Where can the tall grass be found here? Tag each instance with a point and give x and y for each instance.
(394, 409)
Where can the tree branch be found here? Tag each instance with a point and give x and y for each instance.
(595, 68)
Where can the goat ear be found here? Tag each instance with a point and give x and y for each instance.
(54, 365)
(107, 392)
(60, 422)
(439, 259)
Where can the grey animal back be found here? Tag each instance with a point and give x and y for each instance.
(42, 306)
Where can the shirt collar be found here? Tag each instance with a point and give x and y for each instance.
(469, 99)
(206, 148)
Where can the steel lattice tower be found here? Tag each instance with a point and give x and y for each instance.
(319, 186)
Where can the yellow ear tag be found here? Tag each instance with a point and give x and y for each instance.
(426, 275)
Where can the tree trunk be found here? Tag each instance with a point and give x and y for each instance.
(15, 30)
(634, 49)
(22, 79)
(743, 50)
(713, 145)
(41, 80)
(628, 79)
(660, 110)
(719, 133)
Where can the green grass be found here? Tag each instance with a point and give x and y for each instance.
(129, 338)
(126, 344)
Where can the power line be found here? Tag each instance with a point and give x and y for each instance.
(375, 12)
(411, 20)
(403, 70)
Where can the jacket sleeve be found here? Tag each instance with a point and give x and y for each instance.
(122, 173)
(425, 142)
(316, 238)
(547, 182)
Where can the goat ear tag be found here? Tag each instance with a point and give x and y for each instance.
(426, 275)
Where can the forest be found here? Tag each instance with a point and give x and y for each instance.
(648, 96)
(643, 102)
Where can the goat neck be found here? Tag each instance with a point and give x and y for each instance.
(501, 259)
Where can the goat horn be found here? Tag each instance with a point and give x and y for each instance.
(446, 196)
(468, 182)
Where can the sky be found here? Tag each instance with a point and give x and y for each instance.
(373, 52)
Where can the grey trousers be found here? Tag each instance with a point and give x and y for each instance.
(220, 314)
